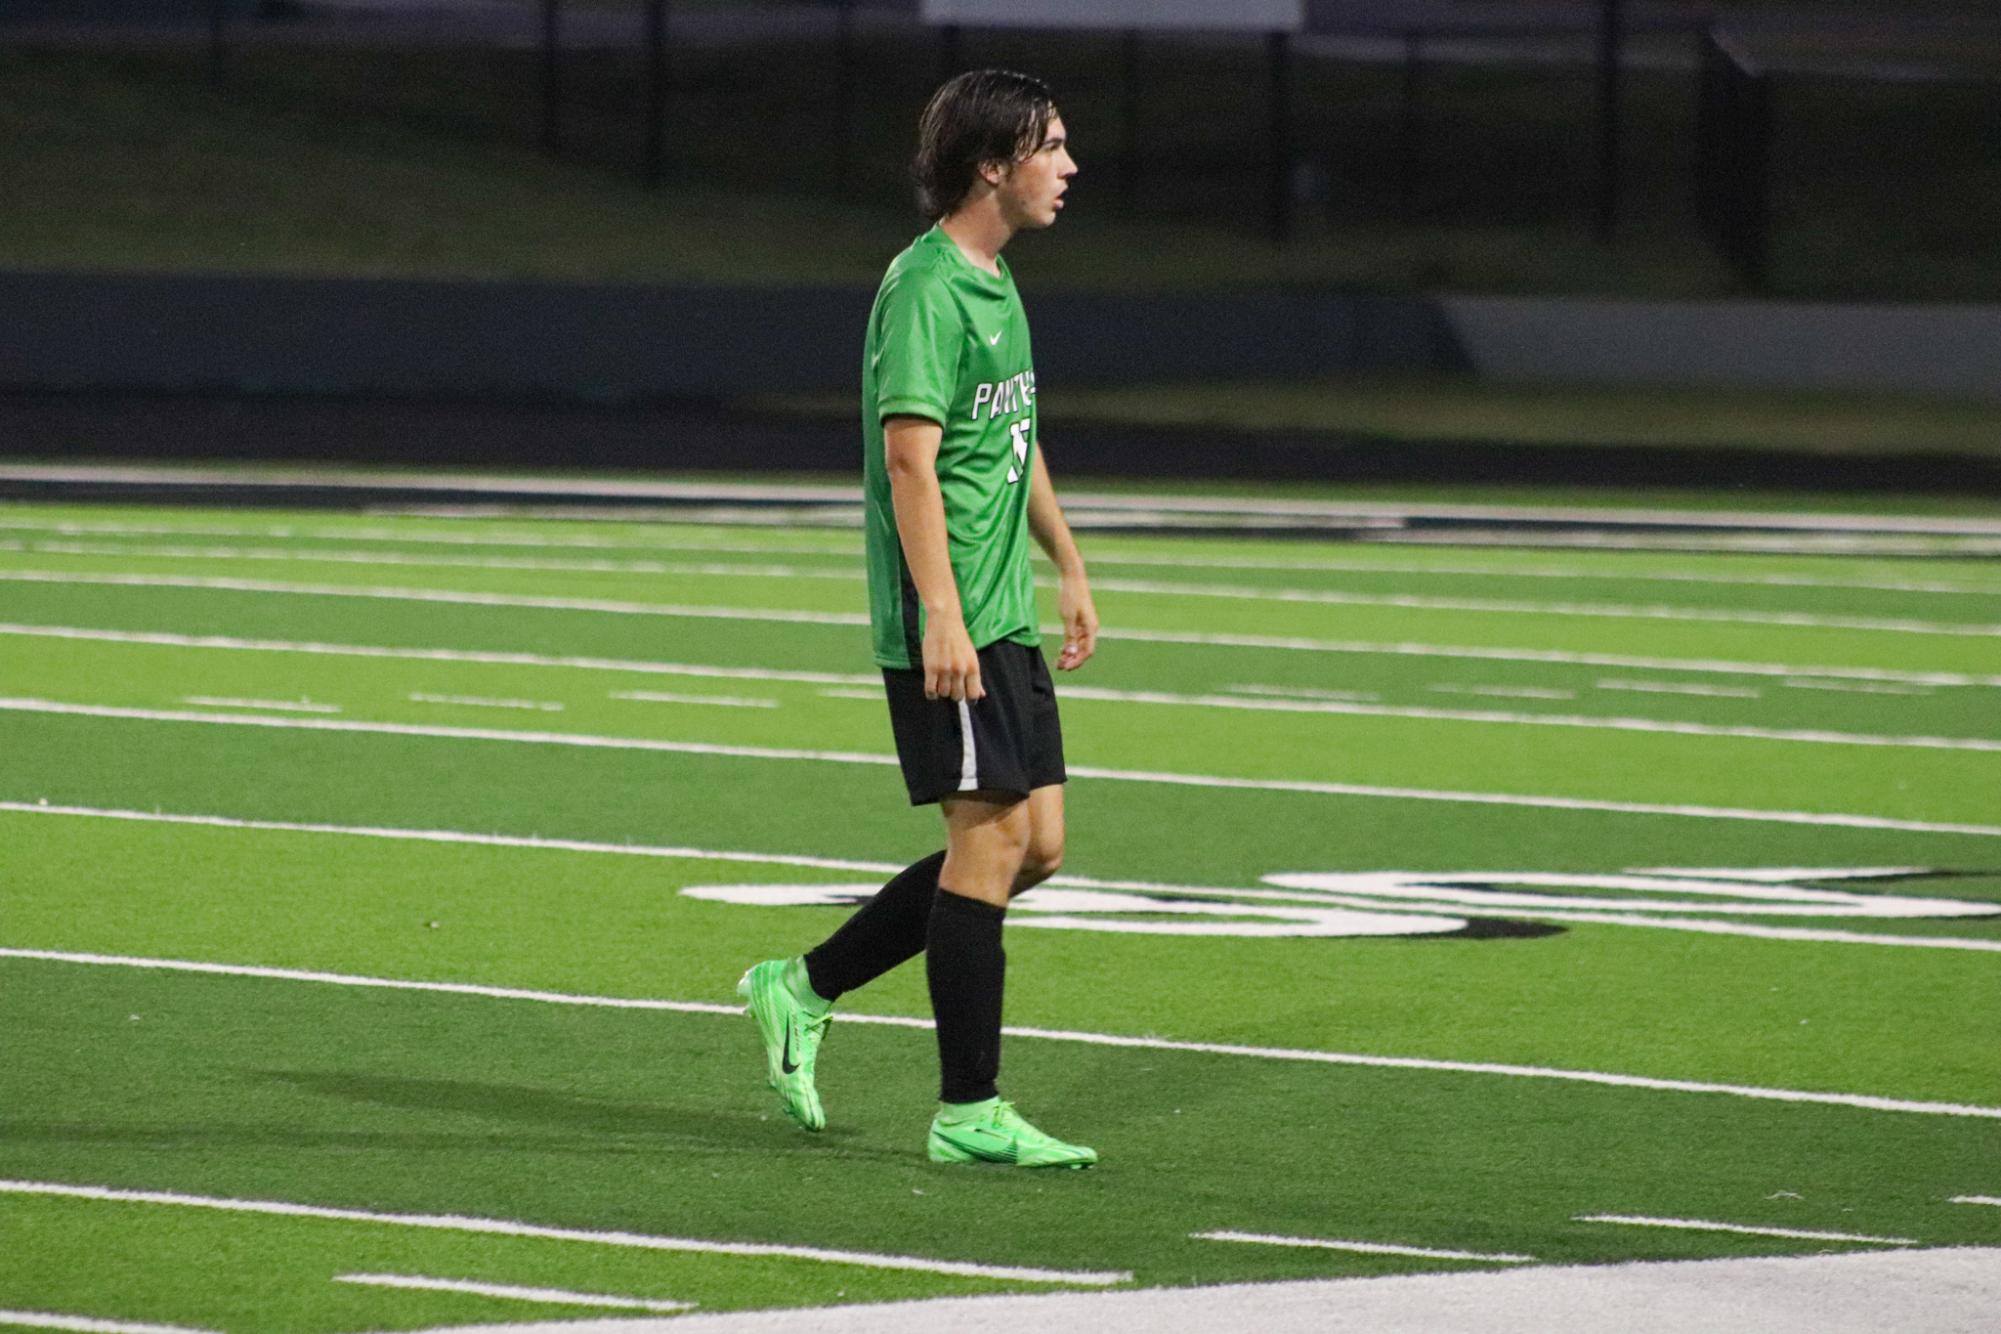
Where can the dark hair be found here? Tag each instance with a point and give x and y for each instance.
(984, 115)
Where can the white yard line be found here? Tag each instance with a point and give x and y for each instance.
(1279, 704)
(1805, 736)
(1462, 905)
(632, 541)
(1637, 662)
(1303, 692)
(806, 516)
(455, 836)
(1754, 545)
(1577, 573)
(1131, 587)
(1830, 819)
(505, 563)
(1272, 698)
(338, 479)
(804, 492)
(1612, 913)
(278, 705)
(1860, 1101)
(455, 597)
(1977, 1199)
(1706, 1225)
(1816, 935)
(84, 1324)
(502, 1227)
(630, 537)
(1716, 543)
(483, 702)
(848, 571)
(1363, 1247)
(1680, 688)
(1529, 893)
(1289, 643)
(720, 701)
(1800, 521)
(1509, 607)
(847, 549)
(1726, 893)
(511, 1292)
(1781, 875)
(1792, 534)
(1504, 692)
(1514, 607)
(230, 643)
(1103, 585)
(1853, 687)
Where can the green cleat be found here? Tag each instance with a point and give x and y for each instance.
(993, 1132)
(792, 1032)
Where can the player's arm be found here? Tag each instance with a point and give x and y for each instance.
(951, 667)
(1052, 534)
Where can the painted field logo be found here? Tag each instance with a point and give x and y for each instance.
(1422, 903)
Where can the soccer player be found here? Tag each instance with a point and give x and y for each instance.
(955, 486)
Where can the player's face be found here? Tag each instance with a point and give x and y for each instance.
(1031, 193)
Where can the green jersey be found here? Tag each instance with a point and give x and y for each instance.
(949, 342)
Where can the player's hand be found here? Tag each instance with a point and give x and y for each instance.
(1080, 623)
(951, 667)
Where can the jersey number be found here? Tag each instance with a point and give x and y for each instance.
(1017, 469)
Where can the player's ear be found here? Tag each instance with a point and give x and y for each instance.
(993, 171)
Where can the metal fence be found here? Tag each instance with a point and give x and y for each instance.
(1733, 127)
(1530, 117)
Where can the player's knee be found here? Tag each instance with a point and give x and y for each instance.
(1015, 836)
(1043, 858)
(991, 851)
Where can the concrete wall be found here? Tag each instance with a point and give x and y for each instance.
(624, 343)
(408, 338)
(1948, 351)
(611, 342)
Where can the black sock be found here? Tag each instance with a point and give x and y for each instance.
(966, 967)
(883, 932)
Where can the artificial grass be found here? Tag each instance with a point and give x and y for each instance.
(692, 800)
(1621, 587)
(658, 1123)
(1498, 622)
(268, 1089)
(1745, 1011)
(1432, 754)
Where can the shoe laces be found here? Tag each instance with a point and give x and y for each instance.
(1005, 1116)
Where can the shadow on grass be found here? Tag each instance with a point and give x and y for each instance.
(211, 1135)
(630, 1123)
(613, 1129)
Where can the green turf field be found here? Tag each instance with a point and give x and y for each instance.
(1442, 898)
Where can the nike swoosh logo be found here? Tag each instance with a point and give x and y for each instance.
(1000, 1144)
(785, 1062)
(995, 340)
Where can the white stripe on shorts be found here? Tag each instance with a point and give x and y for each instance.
(969, 768)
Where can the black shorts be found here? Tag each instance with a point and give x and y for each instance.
(1010, 741)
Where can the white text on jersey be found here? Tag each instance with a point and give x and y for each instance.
(1002, 397)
